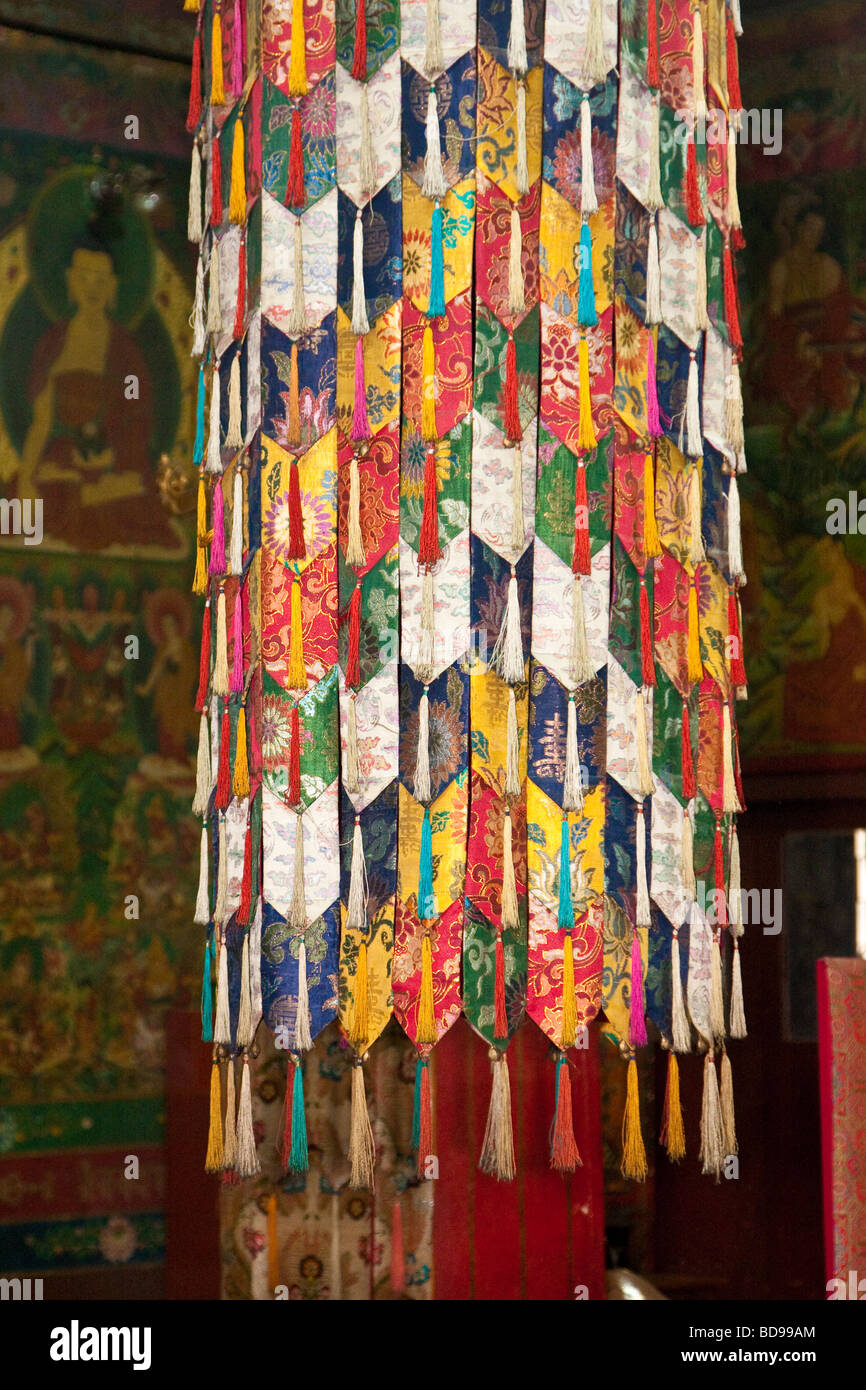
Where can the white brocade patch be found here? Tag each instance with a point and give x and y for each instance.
(622, 693)
(321, 851)
(553, 583)
(377, 718)
(666, 832)
(319, 235)
(565, 27)
(383, 98)
(450, 604)
(492, 472)
(457, 20)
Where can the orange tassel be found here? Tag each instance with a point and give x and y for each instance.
(564, 1154)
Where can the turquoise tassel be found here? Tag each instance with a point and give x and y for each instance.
(207, 994)
(586, 314)
(566, 909)
(299, 1159)
(416, 1109)
(436, 305)
(426, 900)
(198, 447)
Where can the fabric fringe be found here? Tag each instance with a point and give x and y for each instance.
(507, 656)
(588, 199)
(712, 1150)
(497, 1152)
(362, 1149)
(572, 783)
(682, 1035)
(434, 185)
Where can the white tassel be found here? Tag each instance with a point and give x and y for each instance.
(245, 1018)
(355, 553)
(733, 201)
(717, 1003)
(654, 199)
(202, 902)
(588, 200)
(214, 739)
(735, 16)
(356, 904)
(735, 897)
(247, 1162)
(352, 771)
(362, 1149)
(196, 318)
(230, 1142)
(434, 185)
(517, 40)
(738, 1013)
(512, 748)
(643, 917)
(712, 1150)
(729, 1125)
(297, 915)
(518, 524)
(698, 64)
(582, 668)
(434, 61)
(426, 648)
(510, 918)
(234, 439)
(421, 781)
(236, 544)
(220, 674)
(336, 1279)
(303, 1038)
(521, 176)
(193, 219)
(214, 305)
(702, 321)
(572, 784)
(696, 539)
(730, 800)
(653, 276)
(360, 322)
(694, 441)
(593, 64)
(214, 457)
(507, 658)
(687, 855)
(297, 321)
(220, 911)
(646, 786)
(516, 294)
(367, 167)
(497, 1151)
(202, 770)
(222, 1024)
(734, 407)
(682, 1036)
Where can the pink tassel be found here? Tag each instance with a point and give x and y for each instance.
(636, 1020)
(237, 68)
(360, 423)
(236, 683)
(652, 400)
(218, 544)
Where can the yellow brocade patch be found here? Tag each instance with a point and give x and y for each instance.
(458, 209)
(543, 830)
(448, 825)
(497, 124)
(381, 366)
(317, 477)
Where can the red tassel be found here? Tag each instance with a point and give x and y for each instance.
(425, 1141)
(738, 781)
(652, 45)
(694, 210)
(581, 560)
(428, 541)
(285, 1148)
(295, 758)
(359, 61)
(193, 115)
(732, 312)
(512, 414)
(647, 664)
(297, 549)
(736, 663)
(689, 785)
(500, 1018)
(216, 183)
(241, 304)
(398, 1261)
(719, 871)
(735, 101)
(297, 193)
(738, 240)
(353, 672)
(204, 660)
(243, 912)
(564, 1154)
(224, 781)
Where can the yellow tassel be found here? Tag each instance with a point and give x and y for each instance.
(297, 677)
(241, 776)
(294, 426)
(428, 386)
(696, 670)
(586, 433)
(217, 90)
(238, 191)
(214, 1160)
(360, 1025)
(298, 62)
(200, 578)
(651, 542)
(633, 1152)
(569, 1013)
(426, 1032)
(191, 6)
(673, 1134)
(273, 1244)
